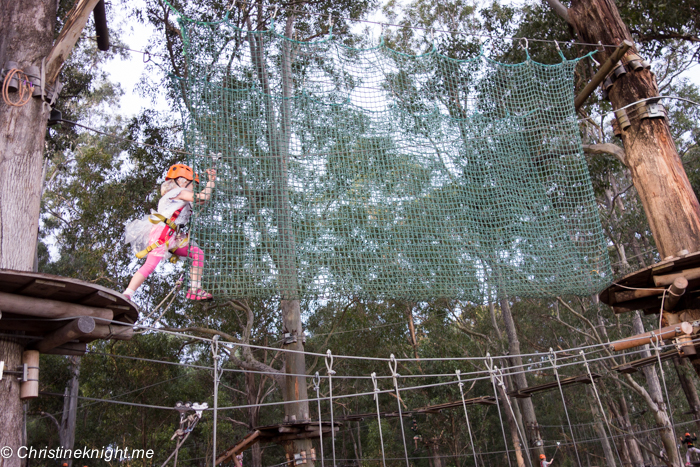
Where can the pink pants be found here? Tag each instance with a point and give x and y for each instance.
(155, 256)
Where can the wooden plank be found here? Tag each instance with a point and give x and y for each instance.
(67, 38)
(44, 308)
(631, 367)
(73, 330)
(41, 288)
(69, 348)
(99, 298)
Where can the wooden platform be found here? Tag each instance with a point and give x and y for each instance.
(42, 305)
(632, 367)
(529, 391)
(623, 300)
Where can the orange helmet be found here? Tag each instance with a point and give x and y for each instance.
(182, 170)
(687, 434)
(542, 456)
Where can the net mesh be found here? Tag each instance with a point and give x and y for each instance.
(376, 174)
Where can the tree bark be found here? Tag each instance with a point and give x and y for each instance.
(671, 206)
(532, 432)
(26, 35)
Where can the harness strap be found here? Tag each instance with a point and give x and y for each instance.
(165, 235)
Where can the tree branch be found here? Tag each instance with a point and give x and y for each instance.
(606, 148)
(560, 9)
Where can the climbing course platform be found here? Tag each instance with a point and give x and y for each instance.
(60, 315)
(675, 281)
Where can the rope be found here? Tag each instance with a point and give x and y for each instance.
(178, 284)
(331, 372)
(25, 88)
(317, 387)
(394, 375)
(553, 360)
(600, 404)
(489, 364)
(466, 416)
(379, 420)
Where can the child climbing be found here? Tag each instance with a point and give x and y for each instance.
(688, 441)
(543, 461)
(174, 211)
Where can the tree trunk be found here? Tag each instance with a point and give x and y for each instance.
(671, 206)
(252, 392)
(532, 432)
(655, 399)
(70, 409)
(26, 35)
(513, 426)
(295, 386)
(600, 429)
(434, 449)
(691, 394)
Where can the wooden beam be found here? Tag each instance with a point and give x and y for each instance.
(667, 279)
(110, 331)
(69, 348)
(71, 331)
(44, 308)
(67, 38)
(604, 70)
(41, 288)
(646, 338)
(675, 292)
(249, 440)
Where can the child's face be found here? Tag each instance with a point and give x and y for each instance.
(182, 182)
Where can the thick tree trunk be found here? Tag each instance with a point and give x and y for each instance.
(657, 172)
(26, 36)
(691, 393)
(532, 432)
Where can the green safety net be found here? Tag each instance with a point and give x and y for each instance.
(374, 174)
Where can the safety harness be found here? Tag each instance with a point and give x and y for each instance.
(165, 235)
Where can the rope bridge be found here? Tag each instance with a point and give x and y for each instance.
(367, 172)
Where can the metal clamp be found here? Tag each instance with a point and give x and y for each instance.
(22, 372)
(289, 338)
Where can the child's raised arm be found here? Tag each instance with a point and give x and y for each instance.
(205, 194)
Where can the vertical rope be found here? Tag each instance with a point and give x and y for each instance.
(329, 369)
(656, 346)
(600, 404)
(379, 420)
(553, 361)
(466, 415)
(394, 375)
(489, 365)
(317, 386)
(512, 412)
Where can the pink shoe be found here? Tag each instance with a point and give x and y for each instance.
(199, 295)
